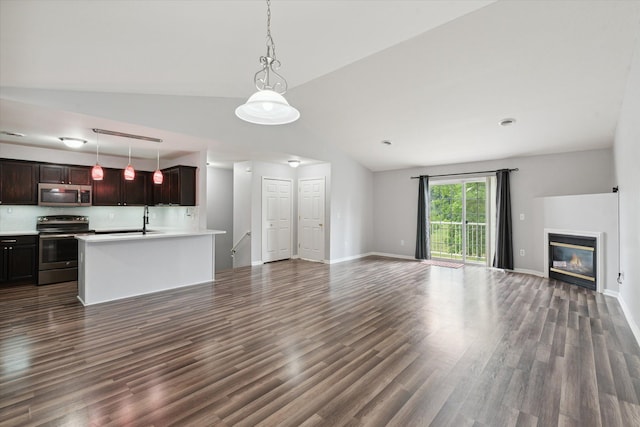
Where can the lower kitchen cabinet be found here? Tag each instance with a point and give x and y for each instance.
(18, 259)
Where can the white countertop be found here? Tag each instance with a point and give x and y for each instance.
(151, 234)
(19, 233)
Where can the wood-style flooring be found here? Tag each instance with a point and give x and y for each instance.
(372, 342)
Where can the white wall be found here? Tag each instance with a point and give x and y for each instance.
(587, 213)
(396, 196)
(627, 162)
(352, 230)
(220, 213)
(212, 119)
(242, 178)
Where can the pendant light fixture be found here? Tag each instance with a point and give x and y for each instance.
(97, 174)
(129, 172)
(157, 175)
(268, 106)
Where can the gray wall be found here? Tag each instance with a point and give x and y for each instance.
(627, 161)
(396, 195)
(220, 213)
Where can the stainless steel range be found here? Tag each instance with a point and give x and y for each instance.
(58, 253)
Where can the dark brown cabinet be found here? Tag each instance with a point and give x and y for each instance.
(63, 174)
(18, 183)
(107, 191)
(178, 187)
(18, 259)
(136, 192)
(114, 190)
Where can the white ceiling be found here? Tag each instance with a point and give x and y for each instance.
(434, 77)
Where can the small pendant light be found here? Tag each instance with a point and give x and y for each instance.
(129, 172)
(97, 174)
(157, 175)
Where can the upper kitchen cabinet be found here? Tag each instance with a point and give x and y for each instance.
(63, 174)
(18, 183)
(178, 188)
(114, 190)
(107, 191)
(136, 192)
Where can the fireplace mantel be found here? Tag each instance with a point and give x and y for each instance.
(599, 236)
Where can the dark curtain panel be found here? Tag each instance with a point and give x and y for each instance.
(503, 258)
(423, 243)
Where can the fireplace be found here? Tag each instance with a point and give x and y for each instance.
(573, 259)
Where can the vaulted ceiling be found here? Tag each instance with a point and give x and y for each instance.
(433, 77)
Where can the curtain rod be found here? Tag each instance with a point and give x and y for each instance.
(462, 173)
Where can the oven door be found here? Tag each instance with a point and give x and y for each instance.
(58, 251)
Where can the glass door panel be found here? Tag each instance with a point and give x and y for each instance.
(458, 226)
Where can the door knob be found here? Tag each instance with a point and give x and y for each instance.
(320, 225)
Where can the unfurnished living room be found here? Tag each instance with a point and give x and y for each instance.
(410, 213)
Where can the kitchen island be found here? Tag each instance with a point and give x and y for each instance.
(121, 265)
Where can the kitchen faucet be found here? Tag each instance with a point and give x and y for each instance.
(145, 219)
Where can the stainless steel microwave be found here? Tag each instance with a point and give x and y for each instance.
(64, 195)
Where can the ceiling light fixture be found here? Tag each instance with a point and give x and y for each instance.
(157, 175)
(97, 174)
(507, 122)
(268, 106)
(126, 135)
(129, 172)
(72, 142)
(386, 142)
(9, 133)
(294, 163)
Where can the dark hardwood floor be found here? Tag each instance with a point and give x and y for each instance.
(375, 341)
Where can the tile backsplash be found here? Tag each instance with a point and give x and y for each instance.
(23, 218)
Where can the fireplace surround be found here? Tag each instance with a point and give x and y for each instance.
(578, 257)
(573, 259)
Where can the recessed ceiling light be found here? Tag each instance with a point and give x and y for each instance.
(507, 122)
(6, 132)
(72, 142)
(386, 142)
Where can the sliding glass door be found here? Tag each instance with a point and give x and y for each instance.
(458, 224)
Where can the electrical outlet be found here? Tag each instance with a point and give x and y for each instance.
(521, 217)
(401, 242)
(521, 252)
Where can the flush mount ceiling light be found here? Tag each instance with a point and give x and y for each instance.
(268, 106)
(507, 122)
(9, 133)
(386, 142)
(294, 163)
(72, 142)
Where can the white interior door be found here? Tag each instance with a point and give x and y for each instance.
(276, 219)
(311, 219)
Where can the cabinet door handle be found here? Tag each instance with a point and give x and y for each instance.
(9, 241)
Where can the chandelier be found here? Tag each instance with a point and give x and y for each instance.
(268, 106)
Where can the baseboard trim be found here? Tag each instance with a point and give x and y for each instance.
(627, 314)
(349, 258)
(256, 263)
(384, 254)
(527, 271)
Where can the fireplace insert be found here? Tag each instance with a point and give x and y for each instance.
(573, 259)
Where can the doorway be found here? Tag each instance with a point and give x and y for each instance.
(311, 219)
(276, 219)
(459, 227)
